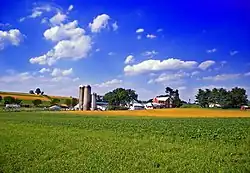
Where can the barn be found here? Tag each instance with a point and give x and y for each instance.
(165, 101)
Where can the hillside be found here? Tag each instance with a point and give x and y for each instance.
(28, 98)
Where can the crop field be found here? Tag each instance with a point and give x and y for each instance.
(178, 112)
(28, 98)
(67, 142)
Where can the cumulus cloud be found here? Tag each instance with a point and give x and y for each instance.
(59, 72)
(232, 53)
(211, 50)
(99, 23)
(70, 7)
(173, 78)
(222, 77)
(158, 65)
(115, 26)
(72, 44)
(150, 53)
(12, 37)
(57, 19)
(206, 64)
(111, 83)
(44, 70)
(140, 30)
(129, 59)
(151, 36)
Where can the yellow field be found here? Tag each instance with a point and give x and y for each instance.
(178, 112)
(26, 97)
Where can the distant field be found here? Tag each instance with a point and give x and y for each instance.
(49, 142)
(176, 112)
(27, 98)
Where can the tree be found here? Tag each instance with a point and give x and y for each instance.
(9, 100)
(38, 91)
(31, 92)
(74, 101)
(42, 93)
(18, 101)
(68, 102)
(224, 98)
(37, 102)
(173, 95)
(1, 98)
(176, 99)
(201, 98)
(54, 101)
(239, 97)
(120, 96)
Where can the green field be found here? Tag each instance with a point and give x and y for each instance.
(56, 142)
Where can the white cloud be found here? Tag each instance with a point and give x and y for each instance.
(97, 50)
(158, 65)
(59, 72)
(73, 44)
(64, 32)
(195, 73)
(111, 83)
(44, 20)
(247, 74)
(111, 53)
(115, 26)
(21, 77)
(99, 23)
(129, 59)
(11, 37)
(140, 30)
(57, 19)
(211, 50)
(39, 9)
(151, 36)
(232, 53)
(159, 30)
(43, 70)
(138, 37)
(70, 7)
(150, 54)
(222, 77)
(173, 78)
(206, 64)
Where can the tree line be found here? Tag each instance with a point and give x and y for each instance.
(234, 98)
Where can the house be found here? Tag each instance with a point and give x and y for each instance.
(164, 101)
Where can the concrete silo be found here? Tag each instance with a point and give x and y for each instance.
(93, 102)
(81, 97)
(87, 97)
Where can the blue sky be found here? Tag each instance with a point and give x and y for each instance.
(58, 45)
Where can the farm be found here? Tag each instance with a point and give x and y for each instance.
(87, 142)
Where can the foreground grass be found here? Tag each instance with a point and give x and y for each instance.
(47, 142)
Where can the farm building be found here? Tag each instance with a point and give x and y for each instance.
(165, 101)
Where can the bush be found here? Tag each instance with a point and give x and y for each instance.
(190, 106)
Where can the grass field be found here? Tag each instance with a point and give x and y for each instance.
(60, 142)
